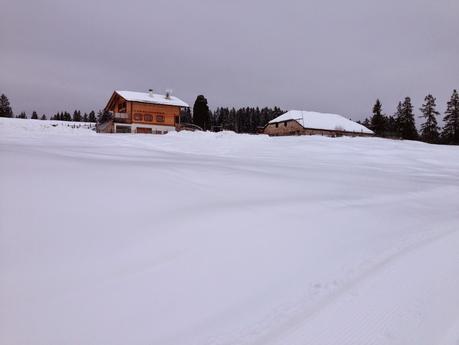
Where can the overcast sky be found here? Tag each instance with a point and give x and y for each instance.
(325, 55)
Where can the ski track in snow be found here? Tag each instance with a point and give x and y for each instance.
(222, 239)
(346, 291)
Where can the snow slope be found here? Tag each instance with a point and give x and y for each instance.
(201, 238)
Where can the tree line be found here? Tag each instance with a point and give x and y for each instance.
(7, 111)
(242, 120)
(402, 123)
(76, 117)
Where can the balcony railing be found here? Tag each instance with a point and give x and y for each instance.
(121, 115)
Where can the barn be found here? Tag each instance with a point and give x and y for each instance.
(142, 112)
(298, 122)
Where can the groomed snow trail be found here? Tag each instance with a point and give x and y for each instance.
(216, 239)
(383, 306)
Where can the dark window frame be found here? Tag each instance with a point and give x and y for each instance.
(122, 107)
(123, 129)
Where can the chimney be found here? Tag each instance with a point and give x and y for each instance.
(168, 94)
(150, 92)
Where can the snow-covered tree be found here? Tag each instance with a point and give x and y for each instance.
(429, 129)
(34, 115)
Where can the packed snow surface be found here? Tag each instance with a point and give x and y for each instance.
(219, 238)
(315, 120)
(154, 98)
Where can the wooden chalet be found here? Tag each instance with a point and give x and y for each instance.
(142, 112)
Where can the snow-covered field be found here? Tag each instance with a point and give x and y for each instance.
(207, 239)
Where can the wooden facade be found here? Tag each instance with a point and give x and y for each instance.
(134, 116)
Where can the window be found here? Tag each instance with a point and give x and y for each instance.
(159, 118)
(138, 117)
(144, 130)
(123, 129)
(177, 119)
(285, 124)
(122, 107)
(148, 117)
(277, 125)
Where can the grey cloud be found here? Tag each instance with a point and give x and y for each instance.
(330, 55)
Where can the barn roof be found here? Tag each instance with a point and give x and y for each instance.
(145, 97)
(315, 120)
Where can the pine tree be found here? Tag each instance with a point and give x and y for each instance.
(22, 115)
(450, 133)
(201, 116)
(34, 115)
(76, 116)
(398, 119)
(5, 108)
(378, 120)
(366, 123)
(185, 116)
(391, 126)
(85, 117)
(405, 120)
(43, 117)
(92, 116)
(103, 116)
(429, 129)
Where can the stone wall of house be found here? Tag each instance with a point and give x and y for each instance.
(107, 127)
(284, 128)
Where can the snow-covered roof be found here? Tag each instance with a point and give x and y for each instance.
(315, 120)
(155, 98)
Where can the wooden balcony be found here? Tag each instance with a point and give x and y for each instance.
(121, 117)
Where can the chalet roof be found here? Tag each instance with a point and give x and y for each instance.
(315, 120)
(155, 98)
